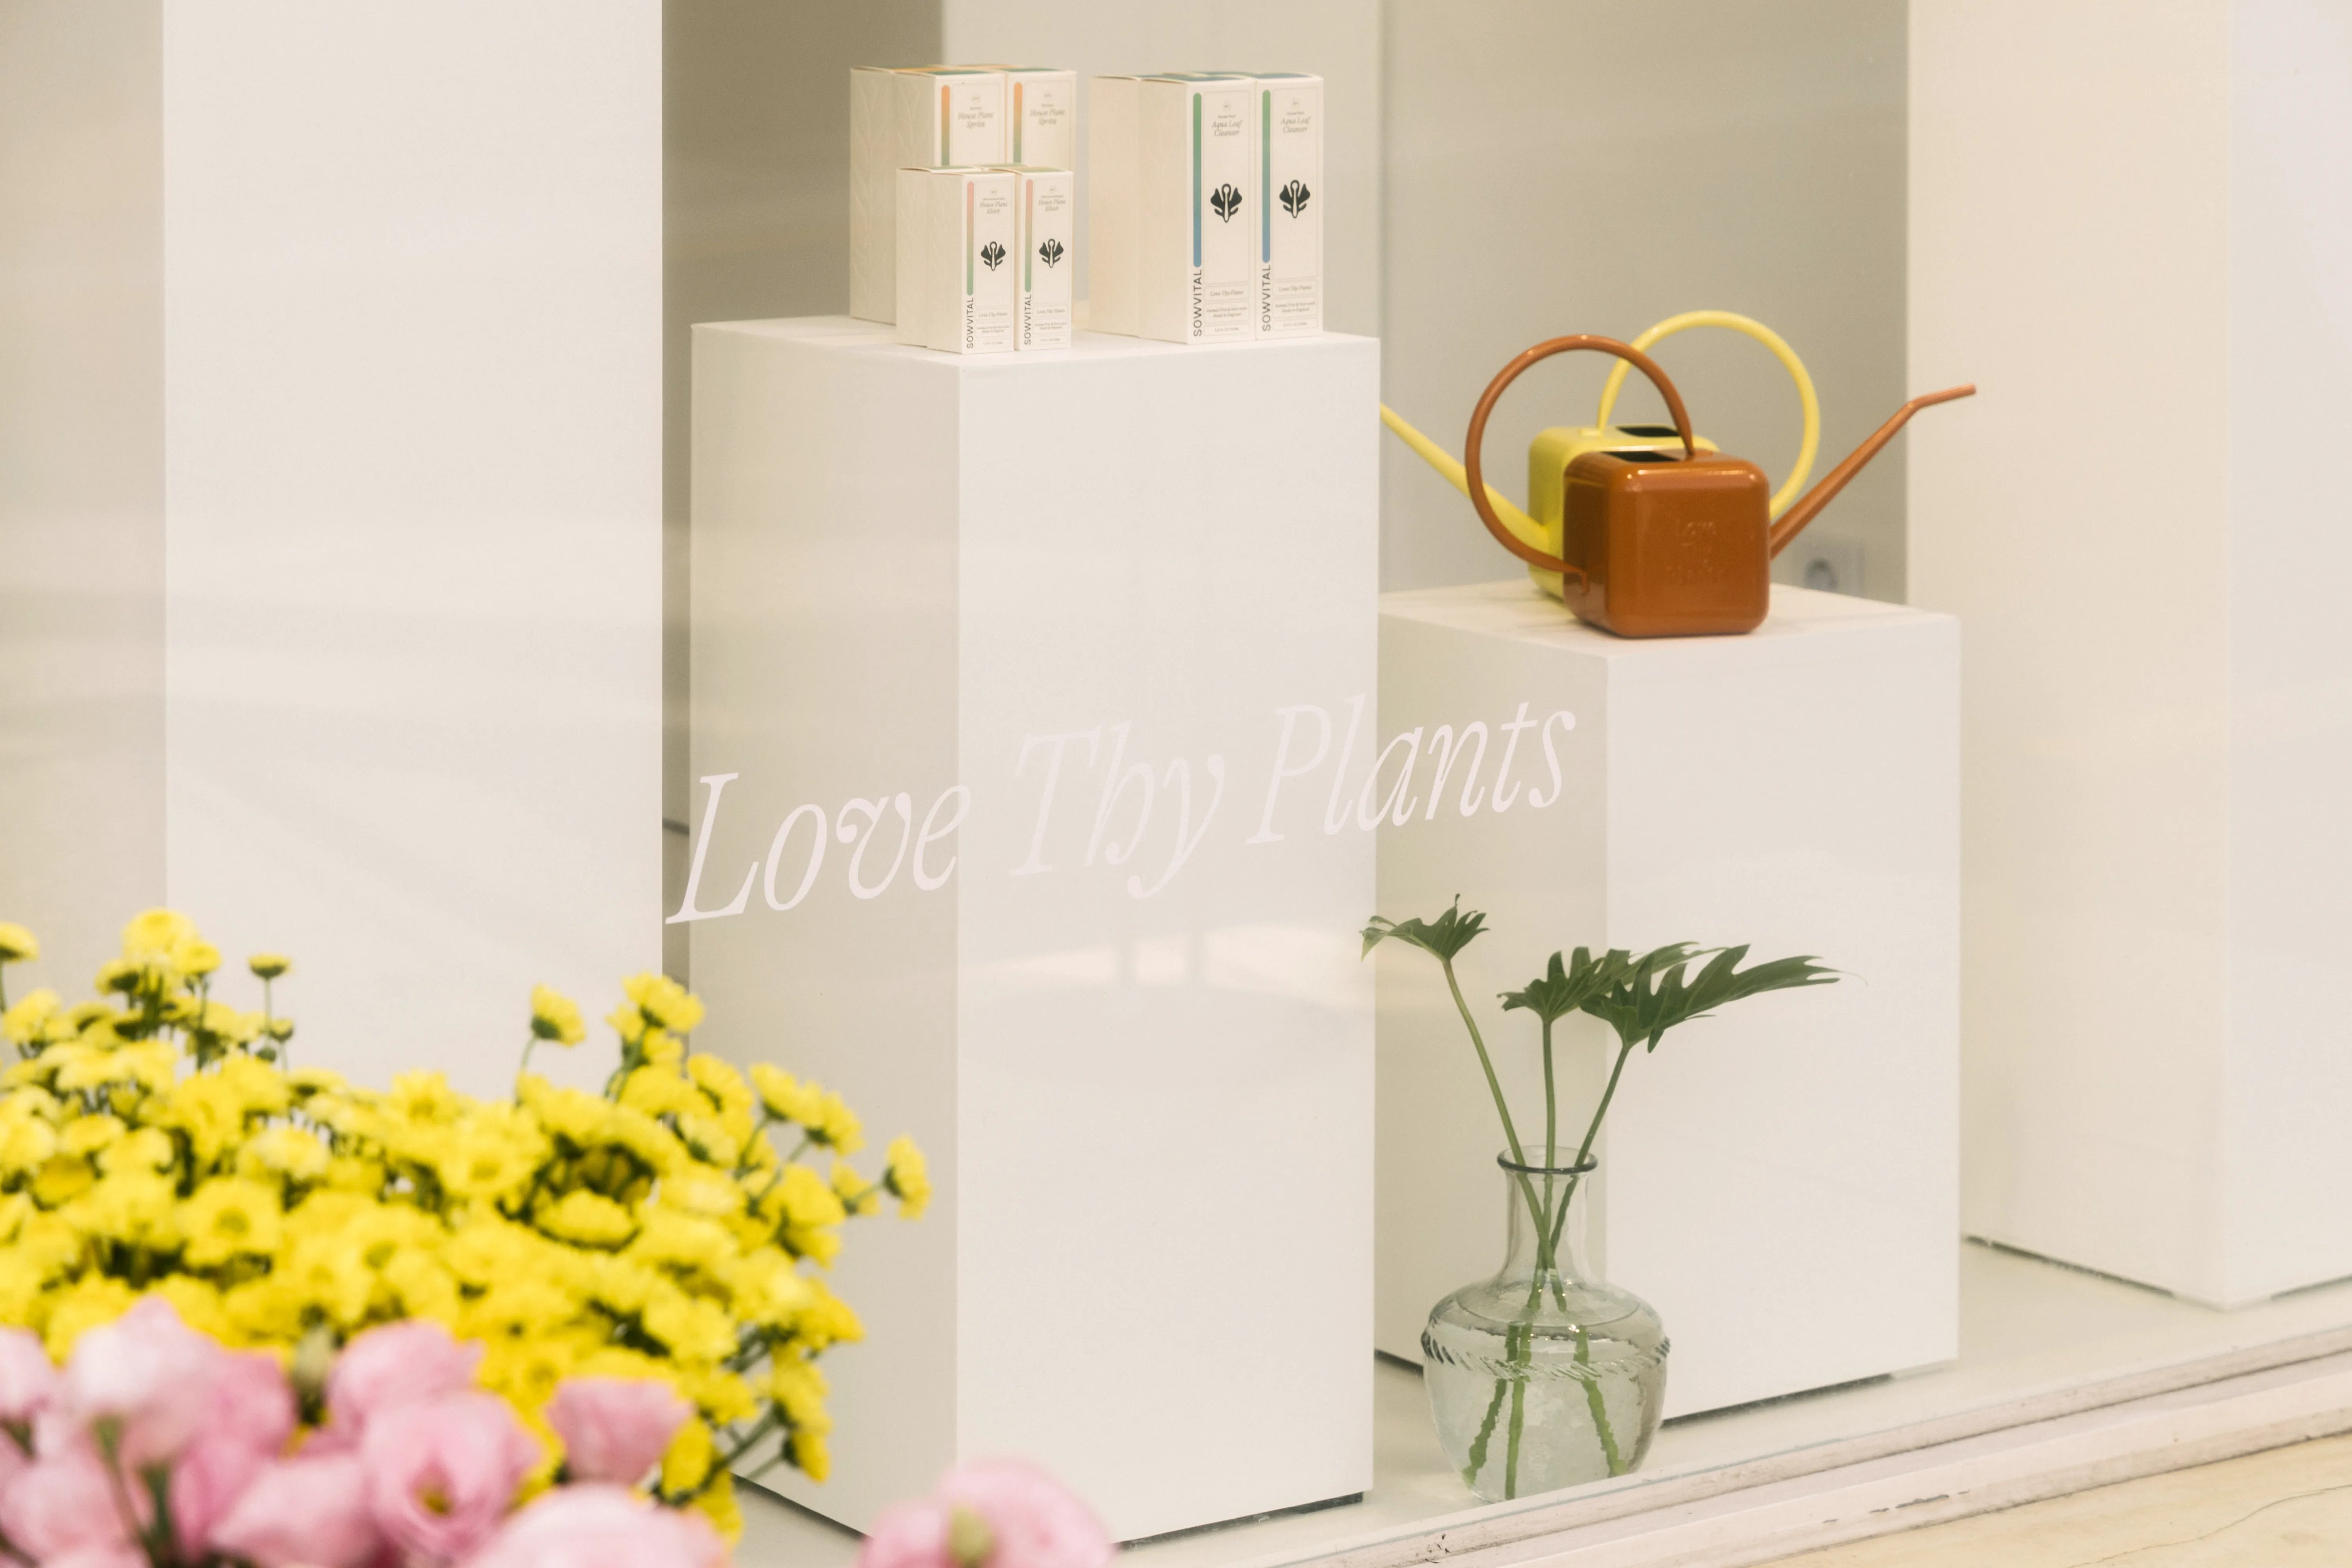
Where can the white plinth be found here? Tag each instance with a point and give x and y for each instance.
(1779, 1181)
(1143, 1072)
(2158, 741)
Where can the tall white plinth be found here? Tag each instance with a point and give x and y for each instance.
(1021, 641)
(2138, 242)
(331, 478)
(1780, 1181)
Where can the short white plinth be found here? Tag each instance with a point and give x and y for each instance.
(1780, 1181)
(1032, 647)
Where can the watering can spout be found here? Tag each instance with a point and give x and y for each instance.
(1792, 521)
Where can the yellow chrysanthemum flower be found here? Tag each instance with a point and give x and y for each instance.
(907, 1174)
(229, 1216)
(87, 1135)
(26, 1143)
(61, 1179)
(663, 1002)
(133, 1209)
(858, 1195)
(151, 938)
(293, 1152)
(786, 1098)
(687, 1464)
(146, 1149)
(209, 1110)
(17, 945)
(555, 1017)
(589, 1219)
(270, 966)
(28, 1021)
(838, 1127)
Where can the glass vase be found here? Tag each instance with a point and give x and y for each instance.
(1544, 1376)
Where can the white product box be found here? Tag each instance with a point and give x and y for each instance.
(1041, 117)
(926, 117)
(1045, 214)
(1290, 204)
(1145, 1085)
(1196, 178)
(1113, 204)
(957, 252)
(1781, 1181)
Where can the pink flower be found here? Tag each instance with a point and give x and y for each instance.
(65, 1502)
(99, 1557)
(28, 1383)
(908, 1535)
(594, 1525)
(313, 1513)
(442, 1474)
(149, 1376)
(391, 1365)
(1001, 1513)
(249, 1418)
(614, 1429)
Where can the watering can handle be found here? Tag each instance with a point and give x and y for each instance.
(1509, 373)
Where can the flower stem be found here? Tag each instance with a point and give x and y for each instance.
(759, 1430)
(1596, 1402)
(1551, 1105)
(1584, 1151)
(1502, 1107)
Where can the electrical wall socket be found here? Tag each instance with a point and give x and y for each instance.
(1825, 562)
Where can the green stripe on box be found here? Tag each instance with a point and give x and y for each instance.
(1265, 174)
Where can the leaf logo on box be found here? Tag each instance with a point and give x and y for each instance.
(1226, 201)
(1050, 252)
(992, 253)
(1294, 197)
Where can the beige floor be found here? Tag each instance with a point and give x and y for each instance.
(2285, 1508)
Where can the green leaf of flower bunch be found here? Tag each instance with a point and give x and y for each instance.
(1446, 936)
(1651, 995)
(1561, 990)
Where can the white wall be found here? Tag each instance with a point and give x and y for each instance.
(1592, 166)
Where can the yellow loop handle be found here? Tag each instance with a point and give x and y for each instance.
(1781, 350)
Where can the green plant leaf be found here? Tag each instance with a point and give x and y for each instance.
(1653, 995)
(1563, 989)
(1446, 936)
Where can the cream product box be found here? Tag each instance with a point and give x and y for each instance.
(921, 117)
(1113, 204)
(1196, 183)
(1041, 117)
(1045, 214)
(1290, 204)
(956, 272)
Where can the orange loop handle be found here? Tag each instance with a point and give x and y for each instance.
(1509, 373)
